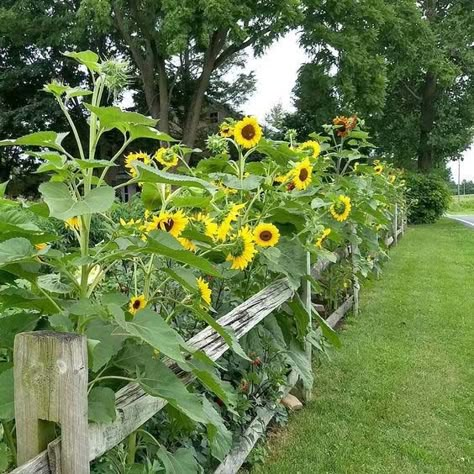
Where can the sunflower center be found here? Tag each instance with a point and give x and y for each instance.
(136, 304)
(169, 223)
(248, 132)
(340, 207)
(303, 174)
(266, 235)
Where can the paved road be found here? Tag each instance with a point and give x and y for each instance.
(467, 220)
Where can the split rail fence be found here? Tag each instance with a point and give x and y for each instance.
(50, 373)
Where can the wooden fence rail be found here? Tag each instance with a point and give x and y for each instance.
(134, 406)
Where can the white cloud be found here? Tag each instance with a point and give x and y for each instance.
(276, 73)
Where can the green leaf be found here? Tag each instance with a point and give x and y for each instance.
(52, 283)
(226, 334)
(184, 277)
(102, 405)
(7, 400)
(88, 58)
(151, 196)
(115, 117)
(195, 202)
(89, 164)
(43, 139)
(4, 457)
(108, 346)
(181, 462)
(3, 188)
(15, 250)
(204, 370)
(328, 331)
(162, 243)
(148, 174)
(13, 324)
(144, 131)
(160, 381)
(62, 205)
(299, 361)
(152, 328)
(220, 438)
(300, 314)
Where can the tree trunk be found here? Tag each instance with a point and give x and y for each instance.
(152, 102)
(195, 107)
(163, 124)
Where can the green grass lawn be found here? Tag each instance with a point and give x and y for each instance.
(462, 205)
(398, 397)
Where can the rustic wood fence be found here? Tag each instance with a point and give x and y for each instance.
(50, 373)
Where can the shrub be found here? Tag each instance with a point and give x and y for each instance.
(428, 198)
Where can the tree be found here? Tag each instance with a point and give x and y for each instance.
(33, 33)
(187, 42)
(407, 66)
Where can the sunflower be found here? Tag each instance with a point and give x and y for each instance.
(266, 235)
(313, 146)
(224, 228)
(226, 130)
(345, 124)
(73, 223)
(378, 169)
(173, 223)
(247, 132)
(243, 250)
(136, 304)
(341, 208)
(41, 246)
(302, 174)
(392, 178)
(322, 237)
(187, 244)
(204, 290)
(132, 158)
(167, 157)
(208, 224)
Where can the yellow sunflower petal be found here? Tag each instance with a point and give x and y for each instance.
(204, 290)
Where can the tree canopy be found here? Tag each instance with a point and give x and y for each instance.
(406, 66)
(179, 47)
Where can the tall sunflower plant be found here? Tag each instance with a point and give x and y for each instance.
(45, 285)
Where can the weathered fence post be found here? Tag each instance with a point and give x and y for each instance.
(395, 224)
(50, 375)
(306, 295)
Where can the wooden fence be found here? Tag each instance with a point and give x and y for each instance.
(51, 385)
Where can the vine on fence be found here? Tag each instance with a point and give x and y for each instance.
(139, 279)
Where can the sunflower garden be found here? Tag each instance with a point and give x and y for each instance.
(140, 279)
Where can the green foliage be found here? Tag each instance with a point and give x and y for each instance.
(407, 66)
(428, 198)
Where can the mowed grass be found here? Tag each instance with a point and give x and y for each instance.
(462, 205)
(398, 397)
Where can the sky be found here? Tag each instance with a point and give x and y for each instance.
(276, 73)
